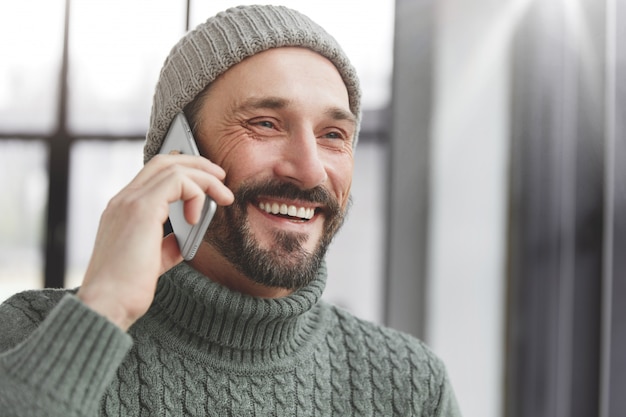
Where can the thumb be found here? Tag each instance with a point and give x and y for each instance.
(170, 253)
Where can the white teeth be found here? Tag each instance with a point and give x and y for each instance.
(293, 211)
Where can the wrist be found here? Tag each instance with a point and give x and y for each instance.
(108, 307)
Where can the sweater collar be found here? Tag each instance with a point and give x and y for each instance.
(198, 309)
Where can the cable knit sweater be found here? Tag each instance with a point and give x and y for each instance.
(203, 350)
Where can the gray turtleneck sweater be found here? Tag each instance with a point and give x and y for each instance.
(203, 350)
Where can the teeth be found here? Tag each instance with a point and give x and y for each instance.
(293, 211)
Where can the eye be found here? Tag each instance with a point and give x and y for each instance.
(333, 135)
(263, 123)
(334, 138)
(264, 127)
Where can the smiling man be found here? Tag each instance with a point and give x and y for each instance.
(240, 330)
(287, 147)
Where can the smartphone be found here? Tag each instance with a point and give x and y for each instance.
(189, 236)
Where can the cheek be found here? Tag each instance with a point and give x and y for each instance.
(222, 146)
(244, 159)
(341, 178)
(345, 198)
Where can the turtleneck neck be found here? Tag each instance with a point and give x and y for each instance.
(210, 320)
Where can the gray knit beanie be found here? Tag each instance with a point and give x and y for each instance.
(225, 40)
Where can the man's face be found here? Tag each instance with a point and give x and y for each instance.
(280, 125)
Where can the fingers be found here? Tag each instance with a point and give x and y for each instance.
(169, 178)
(161, 162)
(186, 177)
(130, 253)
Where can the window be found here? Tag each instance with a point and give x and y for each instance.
(75, 99)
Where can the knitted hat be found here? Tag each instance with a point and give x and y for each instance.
(225, 40)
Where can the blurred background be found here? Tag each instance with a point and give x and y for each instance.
(489, 214)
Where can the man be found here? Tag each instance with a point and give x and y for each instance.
(239, 330)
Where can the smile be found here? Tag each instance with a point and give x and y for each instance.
(285, 210)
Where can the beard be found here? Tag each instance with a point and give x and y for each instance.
(286, 264)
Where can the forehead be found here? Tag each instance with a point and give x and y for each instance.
(294, 73)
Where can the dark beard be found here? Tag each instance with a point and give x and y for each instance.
(286, 264)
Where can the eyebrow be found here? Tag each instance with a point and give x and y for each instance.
(340, 114)
(273, 103)
(277, 103)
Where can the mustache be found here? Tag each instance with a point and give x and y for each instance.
(249, 192)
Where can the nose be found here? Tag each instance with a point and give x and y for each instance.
(300, 161)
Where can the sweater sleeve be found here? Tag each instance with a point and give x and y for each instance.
(448, 406)
(63, 367)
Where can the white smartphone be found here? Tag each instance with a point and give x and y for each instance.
(179, 138)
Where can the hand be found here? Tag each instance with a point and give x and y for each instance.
(130, 252)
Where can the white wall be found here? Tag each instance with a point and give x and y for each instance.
(467, 230)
